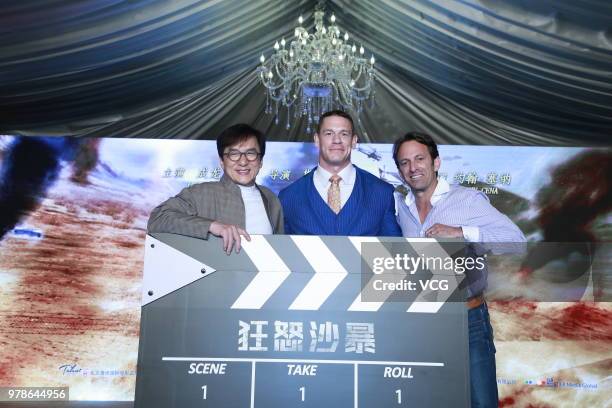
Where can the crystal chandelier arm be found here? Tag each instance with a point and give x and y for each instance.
(316, 72)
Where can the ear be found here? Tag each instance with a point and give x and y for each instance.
(354, 141)
(437, 163)
(316, 140)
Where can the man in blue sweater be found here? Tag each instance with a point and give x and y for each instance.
(338, 198)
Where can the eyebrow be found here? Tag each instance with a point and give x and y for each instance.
(340, 130)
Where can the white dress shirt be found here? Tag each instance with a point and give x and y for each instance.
(470, 233)
(322, 183)
(256, 218)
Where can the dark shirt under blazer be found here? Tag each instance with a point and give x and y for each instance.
(192, 211)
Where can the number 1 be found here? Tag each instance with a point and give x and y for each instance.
(303, 389)
(205, 389)
(399, 396)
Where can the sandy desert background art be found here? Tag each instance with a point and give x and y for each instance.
(73, 220)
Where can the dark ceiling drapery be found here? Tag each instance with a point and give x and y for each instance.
(468, 72)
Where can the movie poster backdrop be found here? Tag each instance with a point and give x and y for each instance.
(73, 215)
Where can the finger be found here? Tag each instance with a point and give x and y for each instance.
(237, 238)
(225, 240)
(244, 234)
(230, 245)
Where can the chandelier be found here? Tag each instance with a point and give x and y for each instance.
(315, 73)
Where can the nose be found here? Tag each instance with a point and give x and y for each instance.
(412, 167)
(243, 160)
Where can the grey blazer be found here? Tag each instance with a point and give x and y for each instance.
(193, 210)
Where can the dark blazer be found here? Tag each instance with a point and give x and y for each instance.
(369, 211)
(193, 210)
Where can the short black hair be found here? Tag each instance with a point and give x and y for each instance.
(340, 113)
(239, 133)
(422, 138)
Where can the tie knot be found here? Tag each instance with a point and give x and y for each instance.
(335, 179)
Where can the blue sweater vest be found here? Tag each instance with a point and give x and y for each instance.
(369, 211)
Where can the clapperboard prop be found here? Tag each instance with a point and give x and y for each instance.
(296, 321)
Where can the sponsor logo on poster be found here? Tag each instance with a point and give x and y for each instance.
(74, 369)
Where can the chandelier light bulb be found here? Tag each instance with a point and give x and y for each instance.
(353, 48)
(361, 50)
(341, 57)
(324, 31)
(262, 58)
(276, 46)
(372, 60)
(333, 18)
(352, 83)
(270, 74)
(303, 41)
(291, 54)
(296, 32)
(334, 42)
(300, 20)
(346, 37)
(283, 42)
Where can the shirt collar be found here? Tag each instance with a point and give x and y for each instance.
(247, 188)
(440, 191)
(348, 175)
(229, 183)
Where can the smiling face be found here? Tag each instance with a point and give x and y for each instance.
(242, 171)
(417, 167)
(335, 141)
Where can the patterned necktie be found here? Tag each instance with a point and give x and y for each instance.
(333, 194)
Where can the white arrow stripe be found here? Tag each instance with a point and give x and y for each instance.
(358, 305)
(329, 272)
(420, 305)
(272, 273)
(425, 307)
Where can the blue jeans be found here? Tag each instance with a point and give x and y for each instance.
(483, 381)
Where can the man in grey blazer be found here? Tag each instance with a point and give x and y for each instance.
(234, 206)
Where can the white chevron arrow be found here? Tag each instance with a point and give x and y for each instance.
(329, 272)
(273, 272)
(423, 302)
